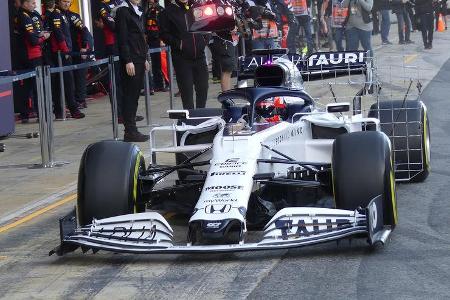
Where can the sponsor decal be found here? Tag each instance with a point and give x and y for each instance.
(317, 61)
(302, 228)
(287, 135)
(255, 61)
(217, 208)
(226, 173)
(327, 59)
(224, 188)
(219, 200)
(231, 163)
(222, 195)
(213, 225)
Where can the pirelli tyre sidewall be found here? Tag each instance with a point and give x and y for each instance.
(407, 125)
(108, 182)
(362, 169)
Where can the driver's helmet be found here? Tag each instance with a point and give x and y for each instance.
(271, 109)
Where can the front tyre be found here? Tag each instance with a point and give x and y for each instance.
(108, 182)
(362, 170)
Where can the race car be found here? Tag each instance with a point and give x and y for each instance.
(267, 170)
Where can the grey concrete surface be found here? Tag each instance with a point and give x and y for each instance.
(414, 264)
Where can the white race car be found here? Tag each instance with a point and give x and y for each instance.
(268, 170)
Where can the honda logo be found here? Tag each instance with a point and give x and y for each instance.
(217, 208)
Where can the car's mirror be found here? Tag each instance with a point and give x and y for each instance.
(178, 114)
(338, 107)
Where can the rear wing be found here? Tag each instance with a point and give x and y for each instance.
(318, 65)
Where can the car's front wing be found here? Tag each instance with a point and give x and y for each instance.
(291, 227)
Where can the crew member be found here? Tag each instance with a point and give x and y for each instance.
(288, 23)
(265, 34)
(82, 42)
(301, 12)
(105, 21)
(188, 54)
(31, 39)
(133, 59)
(336, 13)
(61, 41)
(154, 41)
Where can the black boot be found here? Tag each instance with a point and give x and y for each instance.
(135, 136)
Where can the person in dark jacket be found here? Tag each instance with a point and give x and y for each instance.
(424, 10)
(61, 41)
(152, 32)
(188, 54)
(82, 43)
(31, 39)
(133, 59)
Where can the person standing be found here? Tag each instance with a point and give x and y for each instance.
(265, 36)
(359, 25)
(301, 12)
(288, 23)
(188, 54)
(225, 49)
(338, 15)
(154, 41)
(403, 22)
(133, 59)
(31, 40)
(82, 43)
(424, 10)
(383, 6)
(61, 42)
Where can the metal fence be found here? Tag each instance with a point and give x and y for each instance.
(43, 76)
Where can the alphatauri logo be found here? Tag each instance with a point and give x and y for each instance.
(343, 58)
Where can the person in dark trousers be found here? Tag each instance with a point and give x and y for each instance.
(154, 41)
(133, 58)
(31, 39)
(188, 54)
(403, 22)
(105, 22)
(424, 10)
(82, 43)
(384, 7)
(61, 41)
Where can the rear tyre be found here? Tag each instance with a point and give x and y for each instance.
(362, 169)
(407, 125)
(108, 182)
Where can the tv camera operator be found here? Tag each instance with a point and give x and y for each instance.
(188, 53)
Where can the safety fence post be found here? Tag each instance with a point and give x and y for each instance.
(169, 60)
(113, 95)
(147, 95)
(49, 112)
(43, 126)
(61, 87)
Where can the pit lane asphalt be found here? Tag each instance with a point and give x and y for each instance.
(414, 264)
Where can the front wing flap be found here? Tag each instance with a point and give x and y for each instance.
(291, 227)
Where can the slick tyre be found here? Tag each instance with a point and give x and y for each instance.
(108, 183)
(362, 169)
(407, 125)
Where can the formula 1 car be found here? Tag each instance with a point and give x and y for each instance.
(268, 170)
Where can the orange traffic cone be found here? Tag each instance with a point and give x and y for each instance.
(441, 24)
